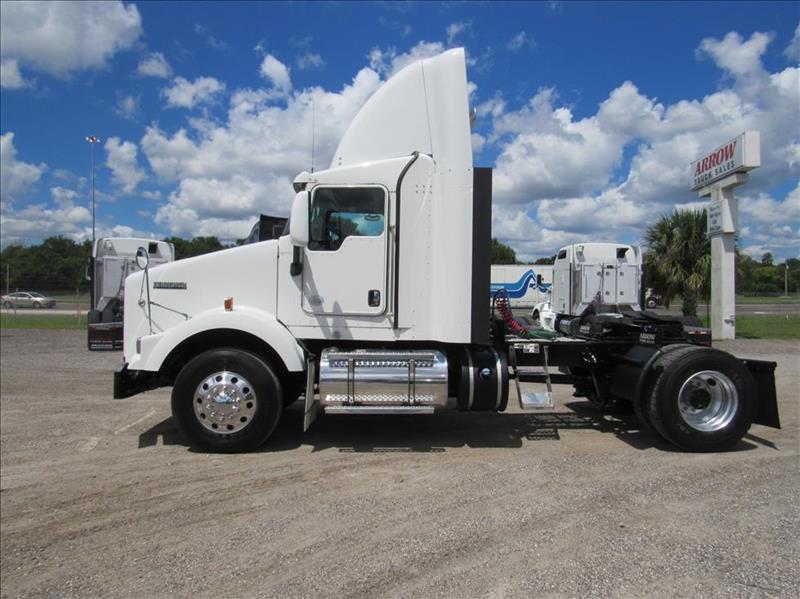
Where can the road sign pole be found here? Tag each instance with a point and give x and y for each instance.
(717, 174)
(723, 220)
(723, 273)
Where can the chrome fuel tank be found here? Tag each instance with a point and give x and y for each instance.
(383, 378)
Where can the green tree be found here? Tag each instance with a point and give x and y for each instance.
(549, 260)
(502, 254)
(766, 259)
(678, 258)
(186, 248)
(55, 264)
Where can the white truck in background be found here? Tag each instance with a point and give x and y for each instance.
(525, 284)
(112, 261)
(375, 303)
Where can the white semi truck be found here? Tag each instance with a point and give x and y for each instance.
(112, 261)
(375, 303)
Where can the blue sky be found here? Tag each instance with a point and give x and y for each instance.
(589, 112)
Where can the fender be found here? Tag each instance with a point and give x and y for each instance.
(249, 320)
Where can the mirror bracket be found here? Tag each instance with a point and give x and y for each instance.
(296, 267)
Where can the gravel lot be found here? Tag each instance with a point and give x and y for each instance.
(101, 497)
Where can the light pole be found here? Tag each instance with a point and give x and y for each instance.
(786, 279)
(93, 139)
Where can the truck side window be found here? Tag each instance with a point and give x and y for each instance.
(340, 212)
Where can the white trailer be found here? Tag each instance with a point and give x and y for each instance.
(376, 303)
(112, 261)
(525, 284)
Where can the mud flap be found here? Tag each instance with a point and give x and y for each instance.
(312, 405)
(763, 373)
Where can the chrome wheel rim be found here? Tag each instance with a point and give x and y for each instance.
(708, 401)
(224, 402)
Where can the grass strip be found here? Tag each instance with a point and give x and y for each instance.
(748, 326)
(35, 321)
(765, 326)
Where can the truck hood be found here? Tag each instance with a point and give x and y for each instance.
(184, 289)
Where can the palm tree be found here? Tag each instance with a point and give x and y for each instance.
(678, 258)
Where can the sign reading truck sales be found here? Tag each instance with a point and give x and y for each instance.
(742, 153)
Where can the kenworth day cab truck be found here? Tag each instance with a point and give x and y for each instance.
(113, 260)
(376, 303)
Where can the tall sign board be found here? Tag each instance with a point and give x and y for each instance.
(716, 174)
(741, 154)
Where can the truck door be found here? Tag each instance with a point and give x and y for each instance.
(591, 282)
(345, 264)
(627, 284)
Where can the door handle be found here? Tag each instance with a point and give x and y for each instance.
(374, 298)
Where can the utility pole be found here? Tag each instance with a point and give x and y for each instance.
(786, 279)
(93, 139)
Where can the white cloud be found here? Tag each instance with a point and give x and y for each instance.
(60, 38)
(121, 159)
(734, 55)
(792, 51)
(387, 61)
(16, 177)
(454, 30)
(225, 174)
(188, 94)
(37, 221)
(154, 65)
(127, 106)
(10, 77)
(274, 71)
(210, 40)
(478, 141)
(611, 172)
(309, 60)
(519, 41)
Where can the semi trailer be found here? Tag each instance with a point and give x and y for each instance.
(525, 284)
(375, 303)
(112, 261)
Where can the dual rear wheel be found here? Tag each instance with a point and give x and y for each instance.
(700, 399)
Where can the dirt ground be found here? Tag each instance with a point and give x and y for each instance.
(102, 498)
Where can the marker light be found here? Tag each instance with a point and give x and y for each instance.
(228, 304)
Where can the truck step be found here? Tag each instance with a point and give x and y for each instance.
(536, 401)
(373, 410)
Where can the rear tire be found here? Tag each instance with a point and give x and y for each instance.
(227, 400)
(702, 400)
(7, 305)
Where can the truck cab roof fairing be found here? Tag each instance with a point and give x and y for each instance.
(422, 108)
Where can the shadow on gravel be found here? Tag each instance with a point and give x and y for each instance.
(432, 434)
(414, 434)
(166, 429)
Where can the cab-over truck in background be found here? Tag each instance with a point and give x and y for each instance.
(376, 303)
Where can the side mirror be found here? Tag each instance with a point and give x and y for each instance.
(298, 223)
(142, 258)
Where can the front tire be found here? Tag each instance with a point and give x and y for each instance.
(703, 399)
(227, 400)
(36, 305)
